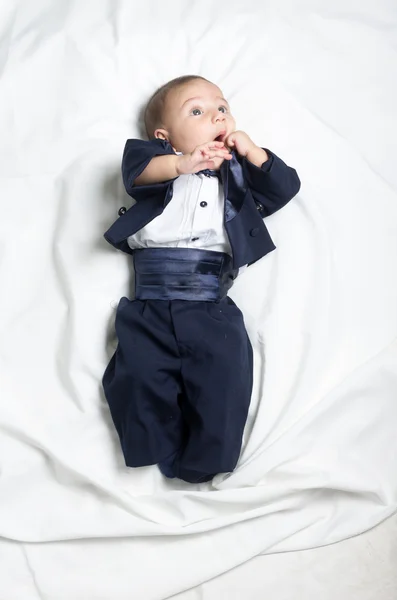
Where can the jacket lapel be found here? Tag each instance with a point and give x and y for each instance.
(234, 187)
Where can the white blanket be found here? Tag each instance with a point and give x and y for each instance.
(316, 83)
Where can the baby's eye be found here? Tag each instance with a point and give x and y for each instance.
(196, 111)
(222, 109)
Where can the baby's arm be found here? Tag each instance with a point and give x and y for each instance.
(271, 181)
(160, 168)
(170, 166)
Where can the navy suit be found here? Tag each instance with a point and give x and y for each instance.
(251, 193)
(179, 384)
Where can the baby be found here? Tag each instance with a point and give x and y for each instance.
(179, 384)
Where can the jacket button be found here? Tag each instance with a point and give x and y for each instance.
(122, 210)
(203, 203)
(254, 231)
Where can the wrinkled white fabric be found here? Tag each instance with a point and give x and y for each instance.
(311, 80)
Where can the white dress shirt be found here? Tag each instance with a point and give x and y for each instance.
(194, 218)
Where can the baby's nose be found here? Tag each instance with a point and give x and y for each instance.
(219, 116)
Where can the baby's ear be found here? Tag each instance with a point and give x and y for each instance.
(161, 134)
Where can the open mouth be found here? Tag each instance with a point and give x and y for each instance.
(221, 136)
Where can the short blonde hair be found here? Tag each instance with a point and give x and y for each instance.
(154, 110)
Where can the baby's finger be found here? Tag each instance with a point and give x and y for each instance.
(217, 153)
(214, 144)
(230, 141)
(211, 146)
(225, 154)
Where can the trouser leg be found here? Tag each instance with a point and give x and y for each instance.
(216, 368)
(142, 383)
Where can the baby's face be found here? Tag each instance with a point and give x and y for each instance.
(195, 113)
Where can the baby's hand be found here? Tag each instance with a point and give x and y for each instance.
(202, 158)
(240, 141)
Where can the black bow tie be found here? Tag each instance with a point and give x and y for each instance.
(209, 173)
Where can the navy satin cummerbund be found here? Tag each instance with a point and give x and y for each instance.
(182, 274)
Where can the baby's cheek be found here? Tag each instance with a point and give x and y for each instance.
(231, 123)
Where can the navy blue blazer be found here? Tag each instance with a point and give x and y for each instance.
(251, 193)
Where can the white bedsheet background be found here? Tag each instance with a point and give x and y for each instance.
(313, 81)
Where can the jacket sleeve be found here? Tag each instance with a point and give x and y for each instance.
(273, 184)
(136, 157)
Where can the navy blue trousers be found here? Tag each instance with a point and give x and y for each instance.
(179, 385)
